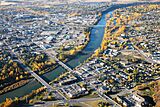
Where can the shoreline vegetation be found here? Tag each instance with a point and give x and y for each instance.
(115, 26)
(25, 99)
(14, 86)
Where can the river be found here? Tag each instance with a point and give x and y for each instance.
(96, 37)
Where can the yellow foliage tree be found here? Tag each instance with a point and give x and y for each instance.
(72, 52)
(8, 103)
(97, 52)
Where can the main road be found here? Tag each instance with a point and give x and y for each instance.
(144, 56)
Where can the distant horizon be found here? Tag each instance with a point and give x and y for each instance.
(85, 0)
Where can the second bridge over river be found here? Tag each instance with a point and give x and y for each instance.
(60, 62)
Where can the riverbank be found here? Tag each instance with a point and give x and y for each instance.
(13, 86)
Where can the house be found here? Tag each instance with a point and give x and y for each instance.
(74, 91)
(103, 89)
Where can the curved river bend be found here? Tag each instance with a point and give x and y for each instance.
(95, 41)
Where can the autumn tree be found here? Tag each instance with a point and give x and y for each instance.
(8, 103)
(72, 52)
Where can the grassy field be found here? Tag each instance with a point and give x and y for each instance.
(88, 103)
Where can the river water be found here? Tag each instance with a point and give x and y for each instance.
(96, 37)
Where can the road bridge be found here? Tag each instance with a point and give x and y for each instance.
(39, 79)
(86, 26)
(61, 63)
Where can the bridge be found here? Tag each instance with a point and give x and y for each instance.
(64, 65)
(85, 26)
(61, 63)
(39, 79)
